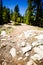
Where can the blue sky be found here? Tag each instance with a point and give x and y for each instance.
(12, 3)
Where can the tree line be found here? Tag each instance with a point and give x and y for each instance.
(33, 14)
(4, 14)
(16, 16)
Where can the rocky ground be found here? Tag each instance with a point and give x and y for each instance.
(21, 45)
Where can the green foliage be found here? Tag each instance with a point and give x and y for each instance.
(26, 17)
(22, 19)
(16, 9)
(6, 15)
(29, 13)
(16, 16)
(11, 15)
(18, 19)
(1, 12)
(34, 13)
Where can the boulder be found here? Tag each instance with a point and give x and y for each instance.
(38, 53)
(22, 44)
(3, 33)
(39, 36)
(38, 42)
(13, 52)
(25, 49)
(31, 62)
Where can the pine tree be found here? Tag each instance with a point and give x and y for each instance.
(11, 14)
(16, 15)
(6, 15)
(16, 9)
(38, 4)
(35, 13)
(1, 12)
(30, 11)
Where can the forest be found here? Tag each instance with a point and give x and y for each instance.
(33, 14)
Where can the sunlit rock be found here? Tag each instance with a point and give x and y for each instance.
(3, 33)
(41, 47)
(27, 54)
(11, 21)
(20, 58)
(39, 36)
(25, 58)
(29, 33)
(20, 36)
(4, 63)
(13, 52)
(36, 57)
(25, 49)
(38, 42)
(31, 62)
(38, 53)
(22, 44)
(3, 39)
(3, 45)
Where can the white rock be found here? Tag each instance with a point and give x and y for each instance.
(34, 43)
(13, 52)
(30, 63)
(27, 34)
(27, 43)
(11, 21)
(18, 45)
(4, 63)
(19, 58)
(3, 44)
(3, 39)
(36, 57)
(39, 36)
(39, 53)
(25, 49)
(25, 58)
(26, 54)
(38, 42)
(38, 50)
(20, 36)
(3, 33)
(41, 47)
(9, 38)
(22, 44)
(20, 51)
